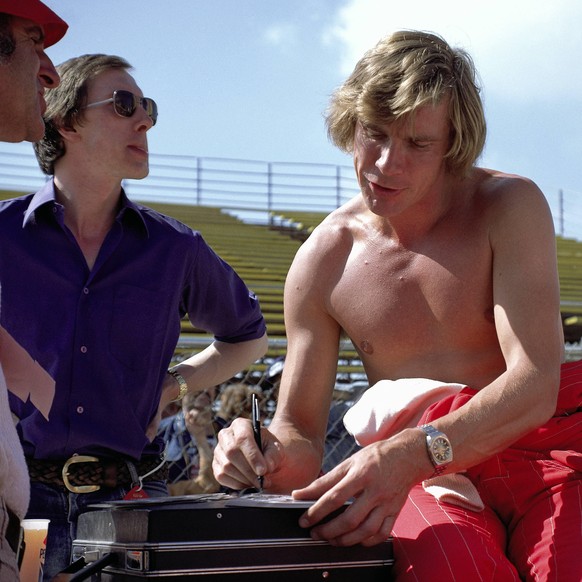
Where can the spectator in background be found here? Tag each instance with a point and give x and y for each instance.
(235, 401)
(27, 27)
(190, 435)
(190, 442)
(104, 283)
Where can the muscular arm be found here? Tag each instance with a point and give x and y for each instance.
(310, 370)
(293, 444)
(526, 311)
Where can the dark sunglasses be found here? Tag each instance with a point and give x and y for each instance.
(125, 103)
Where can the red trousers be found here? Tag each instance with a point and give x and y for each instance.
(531, 528)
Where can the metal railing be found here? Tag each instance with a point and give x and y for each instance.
(251, 189)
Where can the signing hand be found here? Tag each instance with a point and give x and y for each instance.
(237, 459)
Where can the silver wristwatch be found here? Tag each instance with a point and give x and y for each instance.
(439, 448)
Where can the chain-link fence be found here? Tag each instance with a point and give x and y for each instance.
(190, 430)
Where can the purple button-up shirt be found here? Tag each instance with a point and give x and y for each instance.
(106, 336)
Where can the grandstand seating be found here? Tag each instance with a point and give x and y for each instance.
(262, 257)
(570, 272)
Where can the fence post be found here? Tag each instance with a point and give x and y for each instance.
(561, 197)
(338, 186)
(198, 179)
(270, 192)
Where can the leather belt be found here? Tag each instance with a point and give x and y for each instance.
(13, 530)
(85, 474)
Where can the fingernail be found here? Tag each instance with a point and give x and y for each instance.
(303, 522)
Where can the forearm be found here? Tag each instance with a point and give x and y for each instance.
(219, 362)
(499, 415)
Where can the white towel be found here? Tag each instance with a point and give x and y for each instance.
(390, 406)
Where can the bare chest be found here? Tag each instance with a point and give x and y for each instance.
(396, 304)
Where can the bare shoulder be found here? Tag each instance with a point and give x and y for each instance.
(514, 206)
(335, 235)
(499, 188)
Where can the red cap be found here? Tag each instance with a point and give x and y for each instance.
(54, 26)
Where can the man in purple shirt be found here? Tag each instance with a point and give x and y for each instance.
(27, 27)
(95, 288)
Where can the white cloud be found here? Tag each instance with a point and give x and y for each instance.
(521, 47)
(280, 35)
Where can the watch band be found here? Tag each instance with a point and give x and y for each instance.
(432, 435)
(438, 470)
(429, 429)
(182, 383)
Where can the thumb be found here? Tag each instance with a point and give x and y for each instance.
(318, 487)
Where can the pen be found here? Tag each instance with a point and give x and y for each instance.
(257, 431)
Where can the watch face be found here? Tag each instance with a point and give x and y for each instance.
(441, 450)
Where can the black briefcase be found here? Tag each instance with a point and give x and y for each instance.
(218, 537)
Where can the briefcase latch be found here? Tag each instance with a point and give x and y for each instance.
(137, 560)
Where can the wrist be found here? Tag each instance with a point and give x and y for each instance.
(439, 449)
(182, 384)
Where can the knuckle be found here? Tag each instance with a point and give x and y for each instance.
(352, 521)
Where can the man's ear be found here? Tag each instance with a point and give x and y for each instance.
(68, 133)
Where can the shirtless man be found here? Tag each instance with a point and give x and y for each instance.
(440, 270)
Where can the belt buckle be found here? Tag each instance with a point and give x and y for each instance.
(79, 488)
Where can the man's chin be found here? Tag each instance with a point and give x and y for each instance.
(20, 134)
(35, 133)
(140, 175)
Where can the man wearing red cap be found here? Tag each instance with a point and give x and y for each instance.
(27, 27)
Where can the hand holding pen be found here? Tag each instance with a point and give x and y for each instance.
(256, 420)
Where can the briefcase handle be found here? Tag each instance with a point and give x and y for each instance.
(79, 570)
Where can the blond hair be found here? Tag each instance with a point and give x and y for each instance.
(404, 71)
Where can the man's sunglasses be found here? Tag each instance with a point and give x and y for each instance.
(125, 103)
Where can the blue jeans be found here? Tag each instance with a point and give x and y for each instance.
(63, 509)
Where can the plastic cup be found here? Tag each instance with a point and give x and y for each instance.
(35, 531)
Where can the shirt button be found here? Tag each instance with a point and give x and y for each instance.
(80, 410)
(85, 290)
(83, 349)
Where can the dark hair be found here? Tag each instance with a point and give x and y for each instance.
(7, 43)
(65, 103)
(404, 71)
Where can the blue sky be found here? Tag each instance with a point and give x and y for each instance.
(251, 78)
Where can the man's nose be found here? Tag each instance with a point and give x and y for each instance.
(390, 159)
(47, 73)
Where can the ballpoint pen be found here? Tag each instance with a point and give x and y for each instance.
(257, 431)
